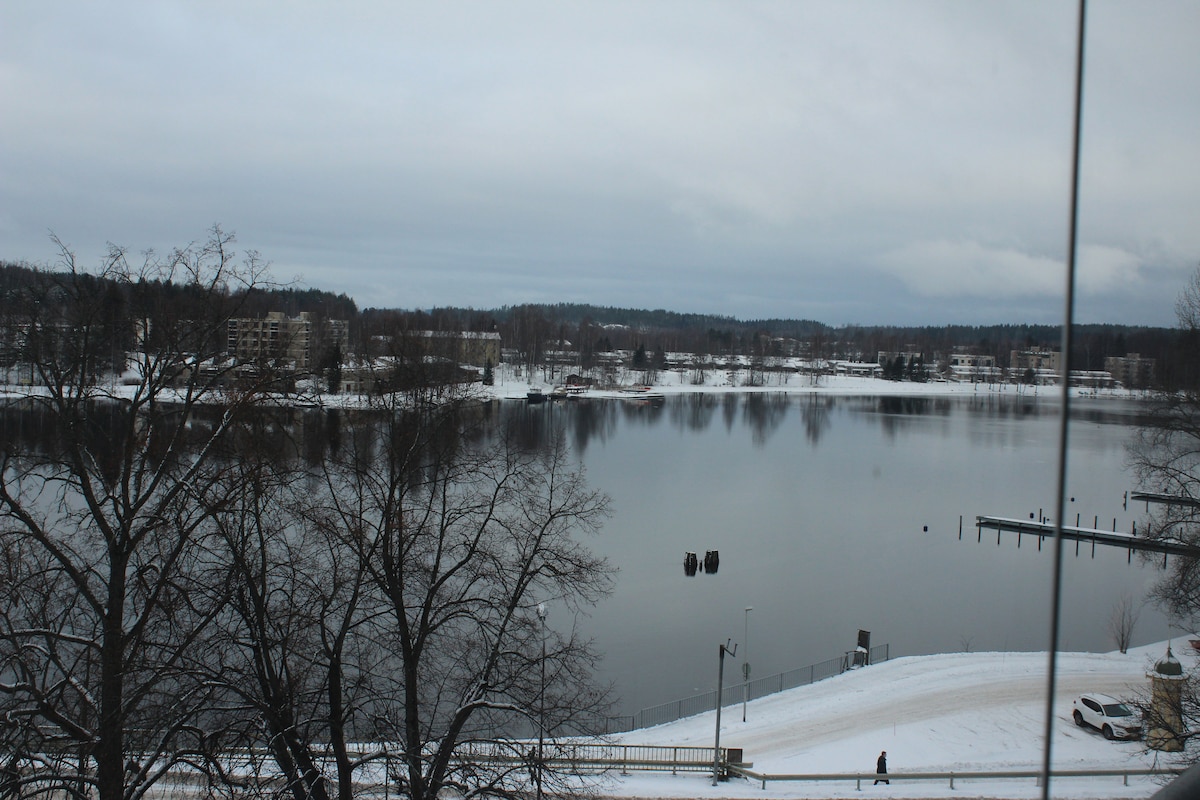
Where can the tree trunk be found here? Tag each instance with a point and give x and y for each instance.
(337, 731)
(110, 736)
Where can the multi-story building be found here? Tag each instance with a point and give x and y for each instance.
(1042, 362)
(973, 367)
(1131, 370)
(283, 340)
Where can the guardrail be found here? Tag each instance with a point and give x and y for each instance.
(578, 757)
(1036, 775)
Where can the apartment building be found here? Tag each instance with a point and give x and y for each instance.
(290, 341)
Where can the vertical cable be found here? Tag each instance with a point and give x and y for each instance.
(1065, 420)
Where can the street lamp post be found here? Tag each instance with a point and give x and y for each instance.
(746, 661)
(725, 648)
(541, 612)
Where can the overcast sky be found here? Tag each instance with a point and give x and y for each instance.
(852, 162)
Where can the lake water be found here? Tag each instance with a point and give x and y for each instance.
(817, 506)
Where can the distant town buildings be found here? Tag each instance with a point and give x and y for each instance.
(1044, 367)
(309, 344)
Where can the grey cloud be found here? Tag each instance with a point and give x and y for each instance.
(697, 156)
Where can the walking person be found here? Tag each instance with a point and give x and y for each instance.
(881, 769)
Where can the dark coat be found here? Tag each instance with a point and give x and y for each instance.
(881, 765)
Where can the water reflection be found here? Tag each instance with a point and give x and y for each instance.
(763, 414)
(694, 412)
(816, 414)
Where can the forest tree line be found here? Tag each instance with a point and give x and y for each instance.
(533, 330)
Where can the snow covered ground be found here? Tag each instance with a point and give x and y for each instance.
(957, 712)
(511, 385)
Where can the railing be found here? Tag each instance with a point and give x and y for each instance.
(580, 759)
(577, 757)
(1036, 775)
(377, 781)
(734, 693)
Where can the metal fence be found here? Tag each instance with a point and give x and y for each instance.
(733, 694)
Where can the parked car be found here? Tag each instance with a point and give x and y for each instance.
(1108, 715)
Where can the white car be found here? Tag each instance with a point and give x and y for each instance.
(1108, 715)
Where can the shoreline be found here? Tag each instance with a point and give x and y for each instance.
(512, 387)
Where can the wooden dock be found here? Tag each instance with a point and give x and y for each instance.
(1165, 499)
(1093, 536)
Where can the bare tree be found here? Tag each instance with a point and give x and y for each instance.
(1187, 305)
(1122, 620)
(461, 538)
(1165, 457)
(288, 641)
(529, 331)
(105, 520)
(385, 591)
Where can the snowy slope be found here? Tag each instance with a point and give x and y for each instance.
(956, 712)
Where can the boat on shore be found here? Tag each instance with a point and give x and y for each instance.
(643, 394)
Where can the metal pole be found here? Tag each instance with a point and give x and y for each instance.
(541, 612)
(1064, 422)
(720, 681)
(745, 661)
